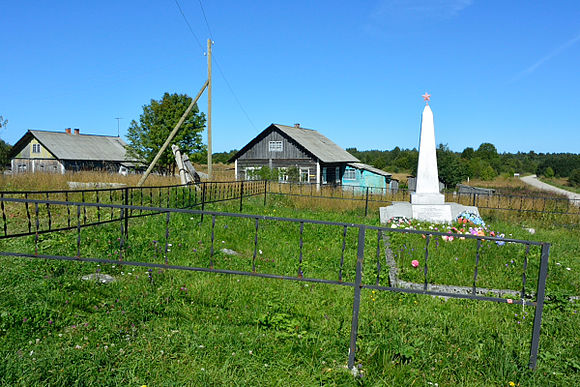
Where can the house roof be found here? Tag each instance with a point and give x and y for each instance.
(312, 141)
(369, 168)
(66, 146)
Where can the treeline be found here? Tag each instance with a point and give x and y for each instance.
(482, 163)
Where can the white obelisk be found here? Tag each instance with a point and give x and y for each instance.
(427, 189)
(427, 203)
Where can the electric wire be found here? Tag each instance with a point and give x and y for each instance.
(230, 88)
(189, 25)
(205, 18)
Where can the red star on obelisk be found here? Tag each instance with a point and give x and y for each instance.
(426, 98)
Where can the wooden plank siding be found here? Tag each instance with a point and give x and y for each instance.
(260, 151)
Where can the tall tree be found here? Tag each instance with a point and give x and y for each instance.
(156, 122)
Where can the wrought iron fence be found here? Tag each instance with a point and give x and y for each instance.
(354, 263)
(378, 195)
(52, 218)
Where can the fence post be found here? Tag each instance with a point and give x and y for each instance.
(367, 203)
(356, 300)
(126, 214)
(241, 196)
(203, 199)
(474, 199)
(539, 304)
(265, 191)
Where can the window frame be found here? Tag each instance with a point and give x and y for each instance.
(349, 174)
(36, 148)
(275, 146)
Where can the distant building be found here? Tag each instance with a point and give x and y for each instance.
(58, 152)
(316, 158)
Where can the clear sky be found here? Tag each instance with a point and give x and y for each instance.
(505, 72)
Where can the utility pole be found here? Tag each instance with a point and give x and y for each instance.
(209, 150)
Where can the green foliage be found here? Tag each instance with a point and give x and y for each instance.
(223, 157)
(561, 163)
(488, 173)
(549, 172)
(574, 178)
(156, 122)
(452, 170)
(4, 151)
(3, 122)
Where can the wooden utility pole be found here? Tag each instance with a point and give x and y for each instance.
(209, 150)
(171, 135)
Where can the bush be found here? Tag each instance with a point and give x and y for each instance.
(574, 178)
(549, 172)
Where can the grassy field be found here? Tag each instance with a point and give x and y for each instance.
(178, 328)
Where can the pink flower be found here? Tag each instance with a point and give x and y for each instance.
(415, 263)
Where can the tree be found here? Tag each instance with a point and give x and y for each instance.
(156, 122)
(468, 153)
(452, 170)
(3, 122)
(574, 178)
(4, 150)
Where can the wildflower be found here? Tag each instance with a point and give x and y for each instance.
(512, 384)
(510, 301)
(569, 269)
(415, 263)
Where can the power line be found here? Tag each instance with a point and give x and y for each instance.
(215, 59)
(189, 25)
(205, 18)
(234, 94)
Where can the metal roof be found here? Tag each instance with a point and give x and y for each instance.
(369, 168)
(317, 144)
(66, 146)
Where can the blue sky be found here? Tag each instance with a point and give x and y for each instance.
(505, 72)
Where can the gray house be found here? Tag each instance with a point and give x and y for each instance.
(317, 159)
(58, 152)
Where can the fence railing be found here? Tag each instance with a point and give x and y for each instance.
(349, 260)
(380, 195)
(50, 218)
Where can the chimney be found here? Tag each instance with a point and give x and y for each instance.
(296, 125)
(77, 131)
(67, 130)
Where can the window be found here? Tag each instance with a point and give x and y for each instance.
(283, 175)
(35, 148)
(304, 175)
(324, 181)
(252, 173)
(275, 146)
(337, 174)
(349, 174)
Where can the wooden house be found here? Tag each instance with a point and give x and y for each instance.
(58, 152)
(316, 158)
(359, 176)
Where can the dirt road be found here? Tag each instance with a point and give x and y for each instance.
(533, 181)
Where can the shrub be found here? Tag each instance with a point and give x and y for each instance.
(574, 178)
(549, 172)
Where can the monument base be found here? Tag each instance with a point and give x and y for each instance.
(427, 198)
(434, 213)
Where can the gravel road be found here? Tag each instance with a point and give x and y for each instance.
(533, 181)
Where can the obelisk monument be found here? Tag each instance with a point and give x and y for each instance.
(427, 203)
(427, 189)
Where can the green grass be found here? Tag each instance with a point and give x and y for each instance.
(188, 328)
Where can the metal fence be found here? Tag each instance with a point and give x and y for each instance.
(51, 218)
(369, 271)
(383, 196)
